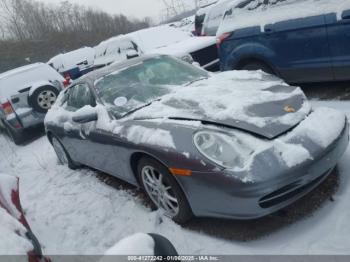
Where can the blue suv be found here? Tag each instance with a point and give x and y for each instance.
(313, 48)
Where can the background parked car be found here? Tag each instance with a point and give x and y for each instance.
(26, 94)
(163, 40)
(74, 64)
(300, 41)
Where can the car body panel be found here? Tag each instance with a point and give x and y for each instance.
(319, 44)
(246, 191)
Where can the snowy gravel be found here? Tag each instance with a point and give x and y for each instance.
(82, 212)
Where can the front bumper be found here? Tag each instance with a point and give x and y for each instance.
(220, 194)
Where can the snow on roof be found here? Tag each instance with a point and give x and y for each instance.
(19, 70)
(155, 37)
(70, 60)
(281, 11)
(186, 46)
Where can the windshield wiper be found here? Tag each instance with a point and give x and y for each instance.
(196, 80)
(140, 107)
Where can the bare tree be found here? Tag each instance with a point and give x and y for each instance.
(39, 31)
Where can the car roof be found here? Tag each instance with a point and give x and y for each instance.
(20, 70)
(94, 75)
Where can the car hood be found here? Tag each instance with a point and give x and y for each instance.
(251, 101)
(185, 47)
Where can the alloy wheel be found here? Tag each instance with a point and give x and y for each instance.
(46, 99)
(159, 191)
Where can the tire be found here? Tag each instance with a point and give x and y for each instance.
(62, 154)
(175, 204)
(16, 137)
(43, 98)
(257, 65)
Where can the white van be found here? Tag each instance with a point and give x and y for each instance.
(26, 94)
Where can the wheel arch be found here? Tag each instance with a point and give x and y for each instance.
(39, 84)
(135, 158)
(248, 52)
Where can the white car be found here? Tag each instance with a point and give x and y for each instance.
(26, 94)
(159, 40)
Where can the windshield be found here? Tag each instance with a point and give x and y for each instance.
(126, 90)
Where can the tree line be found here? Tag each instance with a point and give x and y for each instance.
(32, 31)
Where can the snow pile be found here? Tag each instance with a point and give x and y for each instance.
(138, 244)
(12, 232)
(227, 95)
(273, 13)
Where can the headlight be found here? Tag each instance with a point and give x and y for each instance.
(223, 149)
(188, 59)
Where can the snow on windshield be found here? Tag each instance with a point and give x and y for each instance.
(258, 14)
(145, 82)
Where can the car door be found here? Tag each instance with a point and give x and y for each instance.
(90, 145)
(301, 49)
(74, 139)
(339, 41)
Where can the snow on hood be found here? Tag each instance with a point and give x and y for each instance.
(273, 13)
(251, 101)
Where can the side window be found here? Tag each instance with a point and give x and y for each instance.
(80, 96)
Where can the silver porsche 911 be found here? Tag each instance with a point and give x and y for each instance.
(236, 144)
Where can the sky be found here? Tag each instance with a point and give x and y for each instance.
(133, 8)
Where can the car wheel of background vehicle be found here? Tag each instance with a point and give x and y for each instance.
(62, 154)
(16, 137)
(163, 190)
(257, 65)
(43, 98)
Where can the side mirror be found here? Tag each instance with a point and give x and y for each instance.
(85, 115)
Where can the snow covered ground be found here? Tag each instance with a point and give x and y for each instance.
(82, 212)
